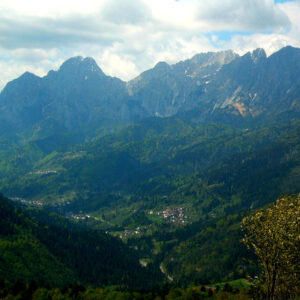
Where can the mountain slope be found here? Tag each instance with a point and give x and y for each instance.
(214, 254)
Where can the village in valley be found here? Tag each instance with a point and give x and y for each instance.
(26, 202)
(175, 216)
(171, 216)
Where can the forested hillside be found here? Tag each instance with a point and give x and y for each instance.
(54, 252)
(148, 161)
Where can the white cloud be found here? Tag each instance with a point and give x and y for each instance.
(237, 15)
(13, 69)
(50, 8)
(126, 12)
(271, 41)
(126, 37)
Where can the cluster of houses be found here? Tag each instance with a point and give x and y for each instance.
(79, 216)
(44, 172)
(130, 233)
(27, 202)
(174, 215)
(127, 233)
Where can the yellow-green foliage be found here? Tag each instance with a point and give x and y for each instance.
(274, 234)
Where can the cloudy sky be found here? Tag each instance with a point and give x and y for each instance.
(127, 37)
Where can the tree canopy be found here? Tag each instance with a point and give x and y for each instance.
(274, 234)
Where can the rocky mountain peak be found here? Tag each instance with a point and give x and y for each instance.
(81, 65)
(258, 54)
(162, 66)
(288, 54)
(26, 82)
(221, 57)
(28, 75)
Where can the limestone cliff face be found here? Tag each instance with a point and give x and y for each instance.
(168, 89)
(223, 86)
(254, 86)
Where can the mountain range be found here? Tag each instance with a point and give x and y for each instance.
(169, 162)
(221, 86)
